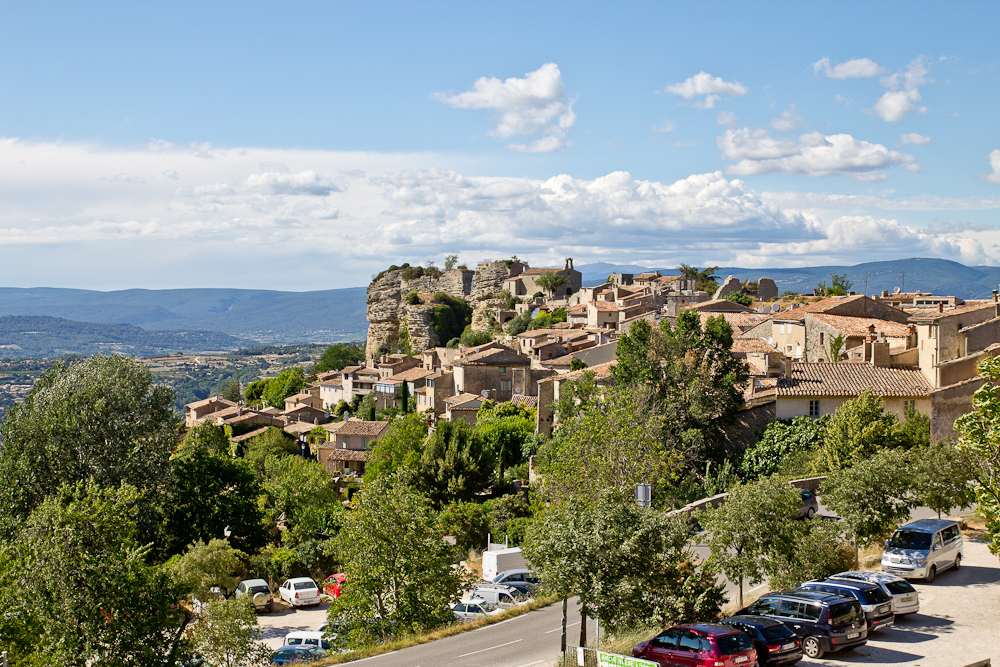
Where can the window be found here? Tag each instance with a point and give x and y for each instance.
(667, 640)
(689, 642)
(767, 606)
(814, 408)
(505, 385)
(503, 369)
(910, 405)
(364, 442)
(792, 609)
(347, 441)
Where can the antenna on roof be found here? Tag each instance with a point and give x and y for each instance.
(895, 290)
(485, 393)
(517, 390)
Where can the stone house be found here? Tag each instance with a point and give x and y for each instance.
(350, 447)
(437, 387)
(593, 355)
(823, 328)
(526, 282)
(331, 392)
(392, 364)
(490, 370)
(463, 406)
(195, 412)
(308, 399)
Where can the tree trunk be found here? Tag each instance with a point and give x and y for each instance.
(740, 594)
(563, 647)
(583, 625)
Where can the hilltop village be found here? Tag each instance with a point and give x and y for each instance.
(443, 342)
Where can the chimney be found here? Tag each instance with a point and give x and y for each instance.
(940, 307)
(786, 368)
(996, 304)
(880, 352)
(911, 337)
(885, 294)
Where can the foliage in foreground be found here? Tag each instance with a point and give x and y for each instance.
(980, 444)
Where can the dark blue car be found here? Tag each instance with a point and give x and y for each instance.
(297, 654)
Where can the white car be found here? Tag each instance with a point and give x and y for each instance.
(473, 609)
(299, 592)
(308, 638)
(904, 596)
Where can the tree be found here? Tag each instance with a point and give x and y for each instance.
(206, 493)
(550, 281)
(210, 437)
(232, 391)
(472, 338)
(816, 550)
(468, 523)
(573, 395)
(839, 286)
(450, 317)
(856, 431)
(272, 442)
(205, 565)
(979, 443)
(835, 347)
(694, 375)
(404, 397)
(749, 528)
(519, 324)
(400, 447)
(705, 279)
(504, 428)
(872, 496)
(304, 494)
(82, 578)
(782, 440)
(576, 364)
(227, 634)
(339, 356)
(613, 444)
(941, 477)
(740, 298)
(454, 465)
(401, 571)
(99, 419)
(288, 383)
(628, 565)
(450, 261)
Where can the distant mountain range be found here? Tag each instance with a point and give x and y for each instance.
(262, 315)
(43, 336)
(939, 276)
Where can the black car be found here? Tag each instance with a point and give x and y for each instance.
(876, 603)
(825, 622)
(776, 644)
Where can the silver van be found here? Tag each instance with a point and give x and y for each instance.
(921, 549)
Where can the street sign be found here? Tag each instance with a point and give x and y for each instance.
(614, 660)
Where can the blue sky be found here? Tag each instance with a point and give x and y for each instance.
(307, 145)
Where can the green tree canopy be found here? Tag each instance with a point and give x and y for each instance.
(454, 465)
(400, 447)
(550, 281)
(941, 477)
(856, 431)
(451, 316)
(505, 428)
(781, 441)
(205, 565)
(209, 437)
(227, 634)
(100, 419)
(288, 383)
(338, 356)
(739, 297)
(305, 493)
(980, 444)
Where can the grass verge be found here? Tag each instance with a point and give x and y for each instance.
(448, 630)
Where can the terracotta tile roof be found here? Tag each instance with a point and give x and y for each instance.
(970, 306)
(646, 276)
(858, 326)
(578, 309)
(334, 427)
(668, 279)
(328, 375)
(298, 397)
(459, 400)
(752, 346)
(368, 371)
(208, 401)
(606, 306)
(600, 371)
(225, 413)
(247, 436)
(818, 307)
(296, 428)
(847, 379)
(350, 369)
(347, 454)
(541, 270)
(730, 306)
(411, 374)
(524, 401)
(497, 356)
(739, 321)
(332, 383)
(362, 428)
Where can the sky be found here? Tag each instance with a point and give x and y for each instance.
(306, 146)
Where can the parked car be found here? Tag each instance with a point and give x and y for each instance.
(774, 642)
(519, 576)
(297, 654)
(876, 603)
(809, 505)
(699, 645)
(905, 599)
(499, 595)
(259, 592)
(332, 584)
(473, 609)
(308, 638)
(825, 622)
(523, 590)
(299, 592)
(922, 548)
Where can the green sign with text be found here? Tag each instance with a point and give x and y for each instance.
(614, 660)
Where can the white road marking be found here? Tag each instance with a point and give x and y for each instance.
(568, 625)
(491, 648)
(372, 657)
(493, 625)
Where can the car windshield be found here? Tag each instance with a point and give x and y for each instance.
(845, 612)
(304, 585)
(874, 596)
(905, 539)
(899, 587)
(734, 643)
(776, 632)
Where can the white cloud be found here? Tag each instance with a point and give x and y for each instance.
(914, 139)
(668, 126)
(125, 178)
(856, 68)
(159, 145)
(322, 219)
(727, 118)
(530, 106)
(994, 175)
(171, 174)
(903, 95)
(709, 88)
(787, 121)
(814, 154)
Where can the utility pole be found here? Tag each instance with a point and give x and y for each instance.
(565, 602)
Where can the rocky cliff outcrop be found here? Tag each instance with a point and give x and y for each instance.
(486, 287)
(388, 310)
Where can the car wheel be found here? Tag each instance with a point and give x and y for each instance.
(812, 648)
(958, 561)
(930, 574)
(810, 513)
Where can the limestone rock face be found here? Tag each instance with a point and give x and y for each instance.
(418, 324)
(732, 284)
(384, 301)
(486, 286)
(766, 289)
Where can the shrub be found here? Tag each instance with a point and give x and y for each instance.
(740, 298)
(412, 298)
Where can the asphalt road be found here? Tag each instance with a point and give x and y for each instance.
(522, 641)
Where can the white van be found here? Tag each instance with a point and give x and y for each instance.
(307, 638)
(504, 597)
(921, 549)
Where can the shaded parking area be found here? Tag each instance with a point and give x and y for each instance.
(283, 619)
(958, 623)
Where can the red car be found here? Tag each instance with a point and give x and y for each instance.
(332, 584)
(699, 645)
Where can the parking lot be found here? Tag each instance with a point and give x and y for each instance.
(958, 623)
(282, 620)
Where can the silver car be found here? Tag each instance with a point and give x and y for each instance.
(921, 549)
(904, 596)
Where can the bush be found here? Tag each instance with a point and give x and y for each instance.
(781, 441)
(412, 298)
(472, 338)
(740, 298)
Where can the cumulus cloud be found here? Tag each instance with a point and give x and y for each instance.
(787, 121)
(903, 95)
(726, 118)
(324, 219)
(814, 154)
(994, 175)
(667, 126)
(710, 89)
(914, 139)
(856, 68)
(171, 174)
(536, 104)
